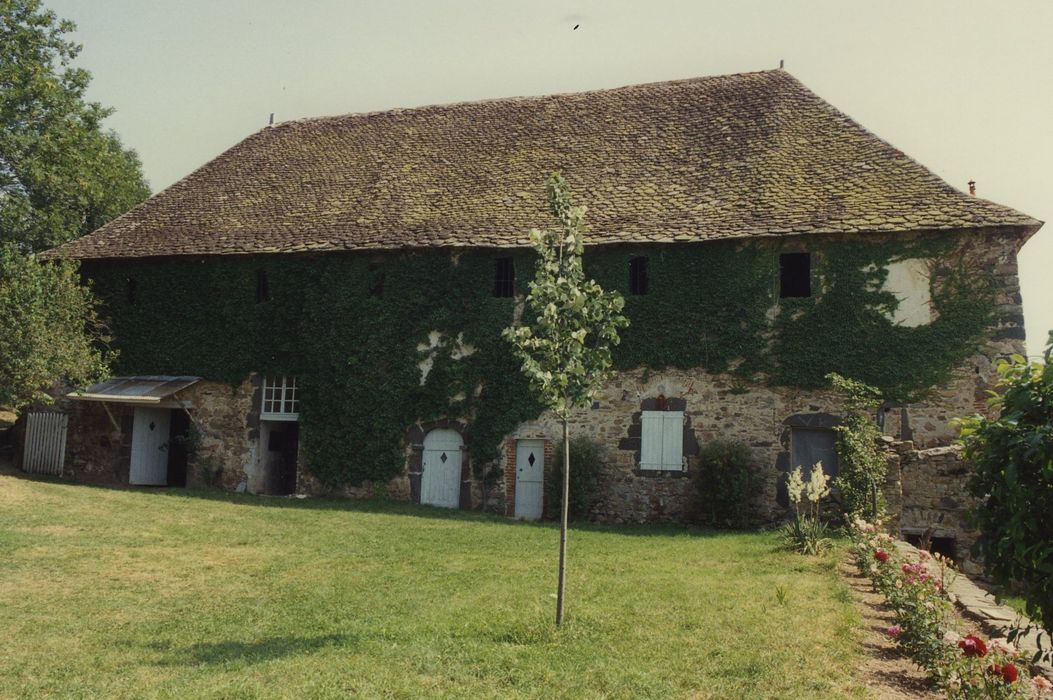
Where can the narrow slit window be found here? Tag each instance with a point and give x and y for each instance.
(795, 275)
(130, 290)
(376, 283)
(638, 276)
(504, 278)
(263, 290)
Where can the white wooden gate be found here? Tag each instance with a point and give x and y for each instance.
(149, 460)
(530, 476)
(440, 482)
(44, 451)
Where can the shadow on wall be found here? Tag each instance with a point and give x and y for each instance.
(380, 506)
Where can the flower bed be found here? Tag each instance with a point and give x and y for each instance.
(928, 630)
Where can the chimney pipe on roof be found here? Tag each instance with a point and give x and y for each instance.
(780, 64)
(972, 187)
(271, 122)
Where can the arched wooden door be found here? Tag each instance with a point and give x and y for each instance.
(440, 481)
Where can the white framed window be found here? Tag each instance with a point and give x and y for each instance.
(280, 399)
(662, 440)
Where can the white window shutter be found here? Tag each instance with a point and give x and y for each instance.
(651, 440)
(673, 440)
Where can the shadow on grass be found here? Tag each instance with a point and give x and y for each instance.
(385, 507)
(234, 652)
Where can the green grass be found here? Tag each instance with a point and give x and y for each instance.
(125, 593)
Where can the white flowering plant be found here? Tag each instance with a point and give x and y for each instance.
(806, 532)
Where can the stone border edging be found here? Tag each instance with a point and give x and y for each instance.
(981, 605)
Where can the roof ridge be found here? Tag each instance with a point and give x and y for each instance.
(529, 98)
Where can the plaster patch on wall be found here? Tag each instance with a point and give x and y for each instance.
(436, 341)
(910, 281)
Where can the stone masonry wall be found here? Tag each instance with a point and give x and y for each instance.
(715, 406)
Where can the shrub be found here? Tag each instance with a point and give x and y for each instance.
(722, 484)
(586, 466)
(862, 465)
(1012, 459)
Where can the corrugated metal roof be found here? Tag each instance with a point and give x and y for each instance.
(140, 390)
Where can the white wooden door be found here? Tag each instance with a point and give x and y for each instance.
(530, 477)
(440, 482)
(149, 462)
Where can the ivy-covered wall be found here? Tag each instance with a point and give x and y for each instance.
(355, 327)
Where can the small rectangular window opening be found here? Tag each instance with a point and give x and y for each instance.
(263, 291)
(130, 290)
(504, 278)
(795, 275)
(638, 276)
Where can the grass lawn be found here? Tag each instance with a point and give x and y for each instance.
(128, 593)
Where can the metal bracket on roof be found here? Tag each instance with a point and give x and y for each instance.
(109, 414)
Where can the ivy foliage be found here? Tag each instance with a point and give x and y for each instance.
(844, 328)
(357, 354)
(862, 470)
(1012, 458)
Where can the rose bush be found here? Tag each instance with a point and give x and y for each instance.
(965, 667)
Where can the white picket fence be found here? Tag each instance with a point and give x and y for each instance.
(45, 446)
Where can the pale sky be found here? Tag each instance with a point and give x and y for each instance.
(964, 87)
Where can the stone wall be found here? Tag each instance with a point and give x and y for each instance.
(935, 499)
(715, 406)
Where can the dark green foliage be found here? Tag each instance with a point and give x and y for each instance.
(705, 305)
(1012, 459)
(61, 174)
(49, 329)
(861, 477)
(586, 466)
(357, 356)
(722, 484)
(843, 328)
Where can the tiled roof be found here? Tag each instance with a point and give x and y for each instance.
(753, 154)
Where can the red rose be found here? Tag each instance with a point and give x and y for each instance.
(881, 555)
(973, 646)
(1009, 673)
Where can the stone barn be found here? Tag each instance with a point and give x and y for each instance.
(318, 309)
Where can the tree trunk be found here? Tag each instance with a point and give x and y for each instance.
(563, 524)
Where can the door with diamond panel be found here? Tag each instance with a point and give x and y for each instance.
(440, 481)
(530, 476)
(149, 458)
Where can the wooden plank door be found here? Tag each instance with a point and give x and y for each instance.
(149, 459)
(530, 477)
(440, 483)
(809, 446)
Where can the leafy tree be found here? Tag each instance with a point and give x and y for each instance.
(862, 466)
(566, 351)
(50, 328)
(61, 174)
(1012, 461)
